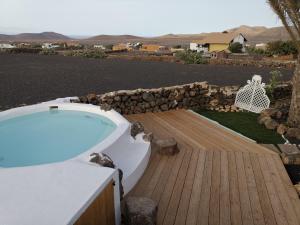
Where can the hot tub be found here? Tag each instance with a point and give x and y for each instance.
(56, 136)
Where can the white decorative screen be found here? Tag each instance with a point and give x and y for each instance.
(252, 97)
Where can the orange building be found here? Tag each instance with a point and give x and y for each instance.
(120, 47)
(154, 48)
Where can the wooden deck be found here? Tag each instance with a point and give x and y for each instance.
(217, 178)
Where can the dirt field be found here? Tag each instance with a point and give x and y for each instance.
(34, 78)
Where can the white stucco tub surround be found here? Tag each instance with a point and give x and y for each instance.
(23, 204)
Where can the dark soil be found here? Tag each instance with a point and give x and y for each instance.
(26, 78)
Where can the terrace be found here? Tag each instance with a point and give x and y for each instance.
(218, 177)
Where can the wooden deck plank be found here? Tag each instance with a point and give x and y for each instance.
(262, 192)
(224, 191)
(235, 206)
(187, 189)
(274, 199)
(214, 204)
(243, 189)
(217, 177)
(166, 196)
(192, 214)
(155, 177)
(203, 214)
(157, 193)
(258, 217)
(171, 212)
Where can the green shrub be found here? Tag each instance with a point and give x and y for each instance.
(281, 48)
(273, 82)
(257, 51)
(190, 57)
(93, 53)
(236, 47)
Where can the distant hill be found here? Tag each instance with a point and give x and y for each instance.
(262, 34)
(254, 35)
(34, 37)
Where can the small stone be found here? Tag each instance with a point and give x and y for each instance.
(166, 146)
(105, 107)
(269, 112)
(91, 97)
(271, 124)
(117, 98)
(278, 115)
(290, 155)
(148, 137)
(282, 129)
(293, 133)
(262, 119)
(192, 93)
(136, 128)
(140, 211)
(164, 107)
(148, 97)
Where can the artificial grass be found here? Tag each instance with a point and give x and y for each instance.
(244, 123)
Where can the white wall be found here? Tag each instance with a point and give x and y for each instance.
(198, 48)
(241, 40)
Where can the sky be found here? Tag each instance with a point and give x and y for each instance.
(136, 17)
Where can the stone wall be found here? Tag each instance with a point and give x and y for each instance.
(194, 95)
(198, 95)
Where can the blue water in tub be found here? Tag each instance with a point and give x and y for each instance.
(50, 136)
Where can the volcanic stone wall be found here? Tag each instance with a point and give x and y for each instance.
(188, 96)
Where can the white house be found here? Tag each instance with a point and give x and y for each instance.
(49, 46)
(216, 42)
(2, 46)
(102, 47)
(262, 46)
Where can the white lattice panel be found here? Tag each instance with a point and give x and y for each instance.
(252, 97)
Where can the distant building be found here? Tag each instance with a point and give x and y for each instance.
(120, 47)
(49, 46)
(154, 48)
(174, 50)
(102, 47)
(5, 46)
(217, 42)
(262, 46)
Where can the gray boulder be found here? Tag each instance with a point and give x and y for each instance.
(282, 129)
(140, 211)
(136, 128)
(166, 146)
(271, 124)
(293, 133)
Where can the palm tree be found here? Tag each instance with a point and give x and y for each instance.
(289, 14)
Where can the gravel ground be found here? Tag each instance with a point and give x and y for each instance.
(29, 79)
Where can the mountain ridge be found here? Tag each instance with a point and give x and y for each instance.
(254, 34)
